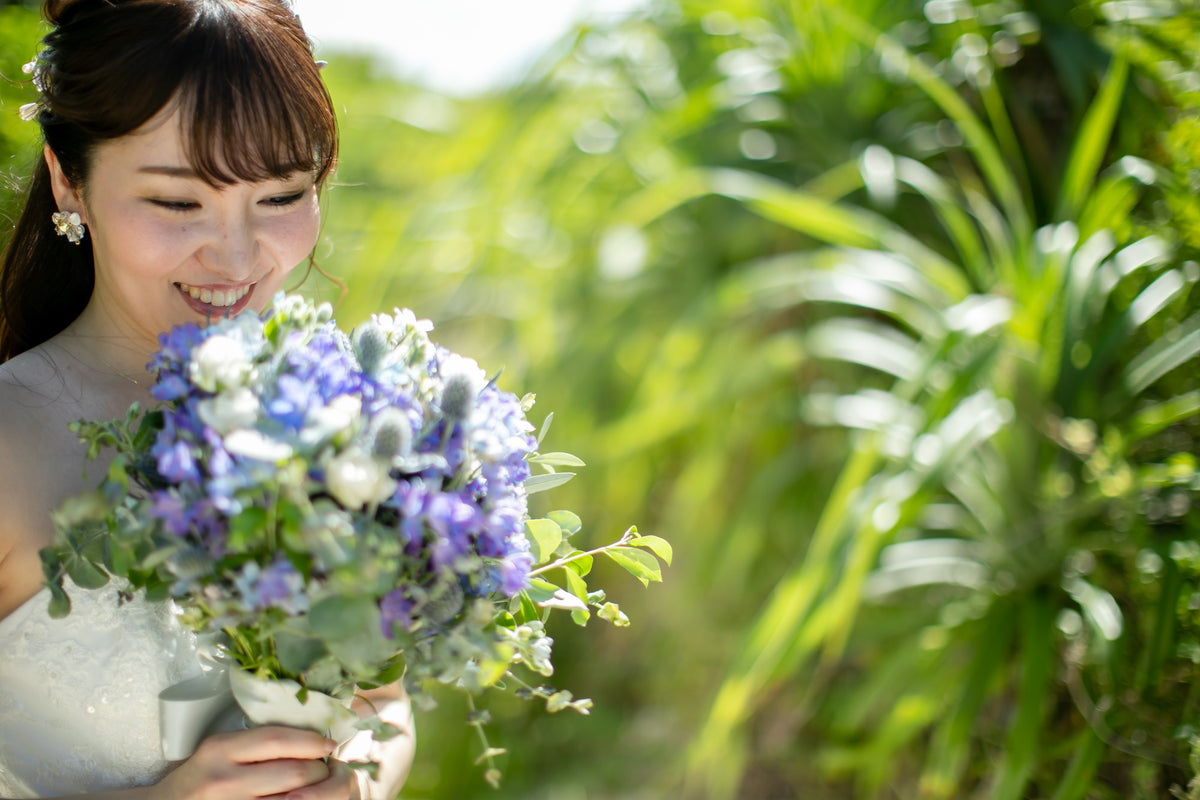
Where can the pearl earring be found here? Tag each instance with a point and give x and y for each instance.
(68, 224)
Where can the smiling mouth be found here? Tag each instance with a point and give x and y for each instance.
(216, 302)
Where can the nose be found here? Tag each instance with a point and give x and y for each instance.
(232, 250)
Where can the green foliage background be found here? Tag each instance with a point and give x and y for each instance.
(885, 315)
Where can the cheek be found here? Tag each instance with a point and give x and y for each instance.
(293, 236)
(143, 246)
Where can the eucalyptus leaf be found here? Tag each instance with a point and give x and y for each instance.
(341, 616)
(60, 602)
(84, 573)
(380, 731)
(296, 652)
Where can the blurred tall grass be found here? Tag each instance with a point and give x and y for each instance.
(885, 315)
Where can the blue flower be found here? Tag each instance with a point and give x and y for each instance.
(170, 387)
(175, 461)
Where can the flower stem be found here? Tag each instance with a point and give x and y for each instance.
(562, 562)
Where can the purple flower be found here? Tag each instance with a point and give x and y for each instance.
(514, 573)
(395, 608)
(170, 508)
(174, 460)
(279, 585)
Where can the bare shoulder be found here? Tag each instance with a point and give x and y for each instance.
(35, 400)
(33, 437)
(29, 389)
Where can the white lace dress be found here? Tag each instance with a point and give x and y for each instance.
(79, 695)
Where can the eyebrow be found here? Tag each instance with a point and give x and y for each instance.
(175, 172)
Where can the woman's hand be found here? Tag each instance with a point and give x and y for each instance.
(269, 762)
(394, 756)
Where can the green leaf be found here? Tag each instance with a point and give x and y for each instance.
(576, 584)
(570, 522)
(1023, 747)
(1092, 142)
(581, 565)
(246, 529)
(655, 544)
(391, 673)
(545, 428)
(540, 483)
(380, 731)
(557, 460)
(539, 591)
(296, 652)
(86, 574)
(528, 607)
(565, 600)
(344, 617)
(545, 536)
(60, 602)
(1178, 346)
(637, 563)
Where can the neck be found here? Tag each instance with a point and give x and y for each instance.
(108, 350)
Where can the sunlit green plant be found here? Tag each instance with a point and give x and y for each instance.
(998, 486)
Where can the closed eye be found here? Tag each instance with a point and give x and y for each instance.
(286, 199)
(174, 205)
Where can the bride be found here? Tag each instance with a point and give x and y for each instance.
(186, 143)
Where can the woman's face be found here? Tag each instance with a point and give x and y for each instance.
(171, 249)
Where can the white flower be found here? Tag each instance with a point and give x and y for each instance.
(540, 654)
(229, 410)
(258, 446)
(355, 479)
(330, 420)
(219, 362)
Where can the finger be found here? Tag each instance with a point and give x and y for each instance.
(340, 784)
(280, 777)
(272, 742)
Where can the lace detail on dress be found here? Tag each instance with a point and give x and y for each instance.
(79, 695)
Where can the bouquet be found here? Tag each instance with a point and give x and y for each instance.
(341, 510)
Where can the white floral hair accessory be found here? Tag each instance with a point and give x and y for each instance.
(37, 69)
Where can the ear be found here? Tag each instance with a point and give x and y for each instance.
(66, 196)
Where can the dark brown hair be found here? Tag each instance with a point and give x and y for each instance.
(242, 75)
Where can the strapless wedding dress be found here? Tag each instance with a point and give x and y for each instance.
(79, 695)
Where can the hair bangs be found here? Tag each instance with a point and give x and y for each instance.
(258, 110)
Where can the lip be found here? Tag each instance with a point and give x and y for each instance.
(210, 311)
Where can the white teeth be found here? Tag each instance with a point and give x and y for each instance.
(217, 297)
